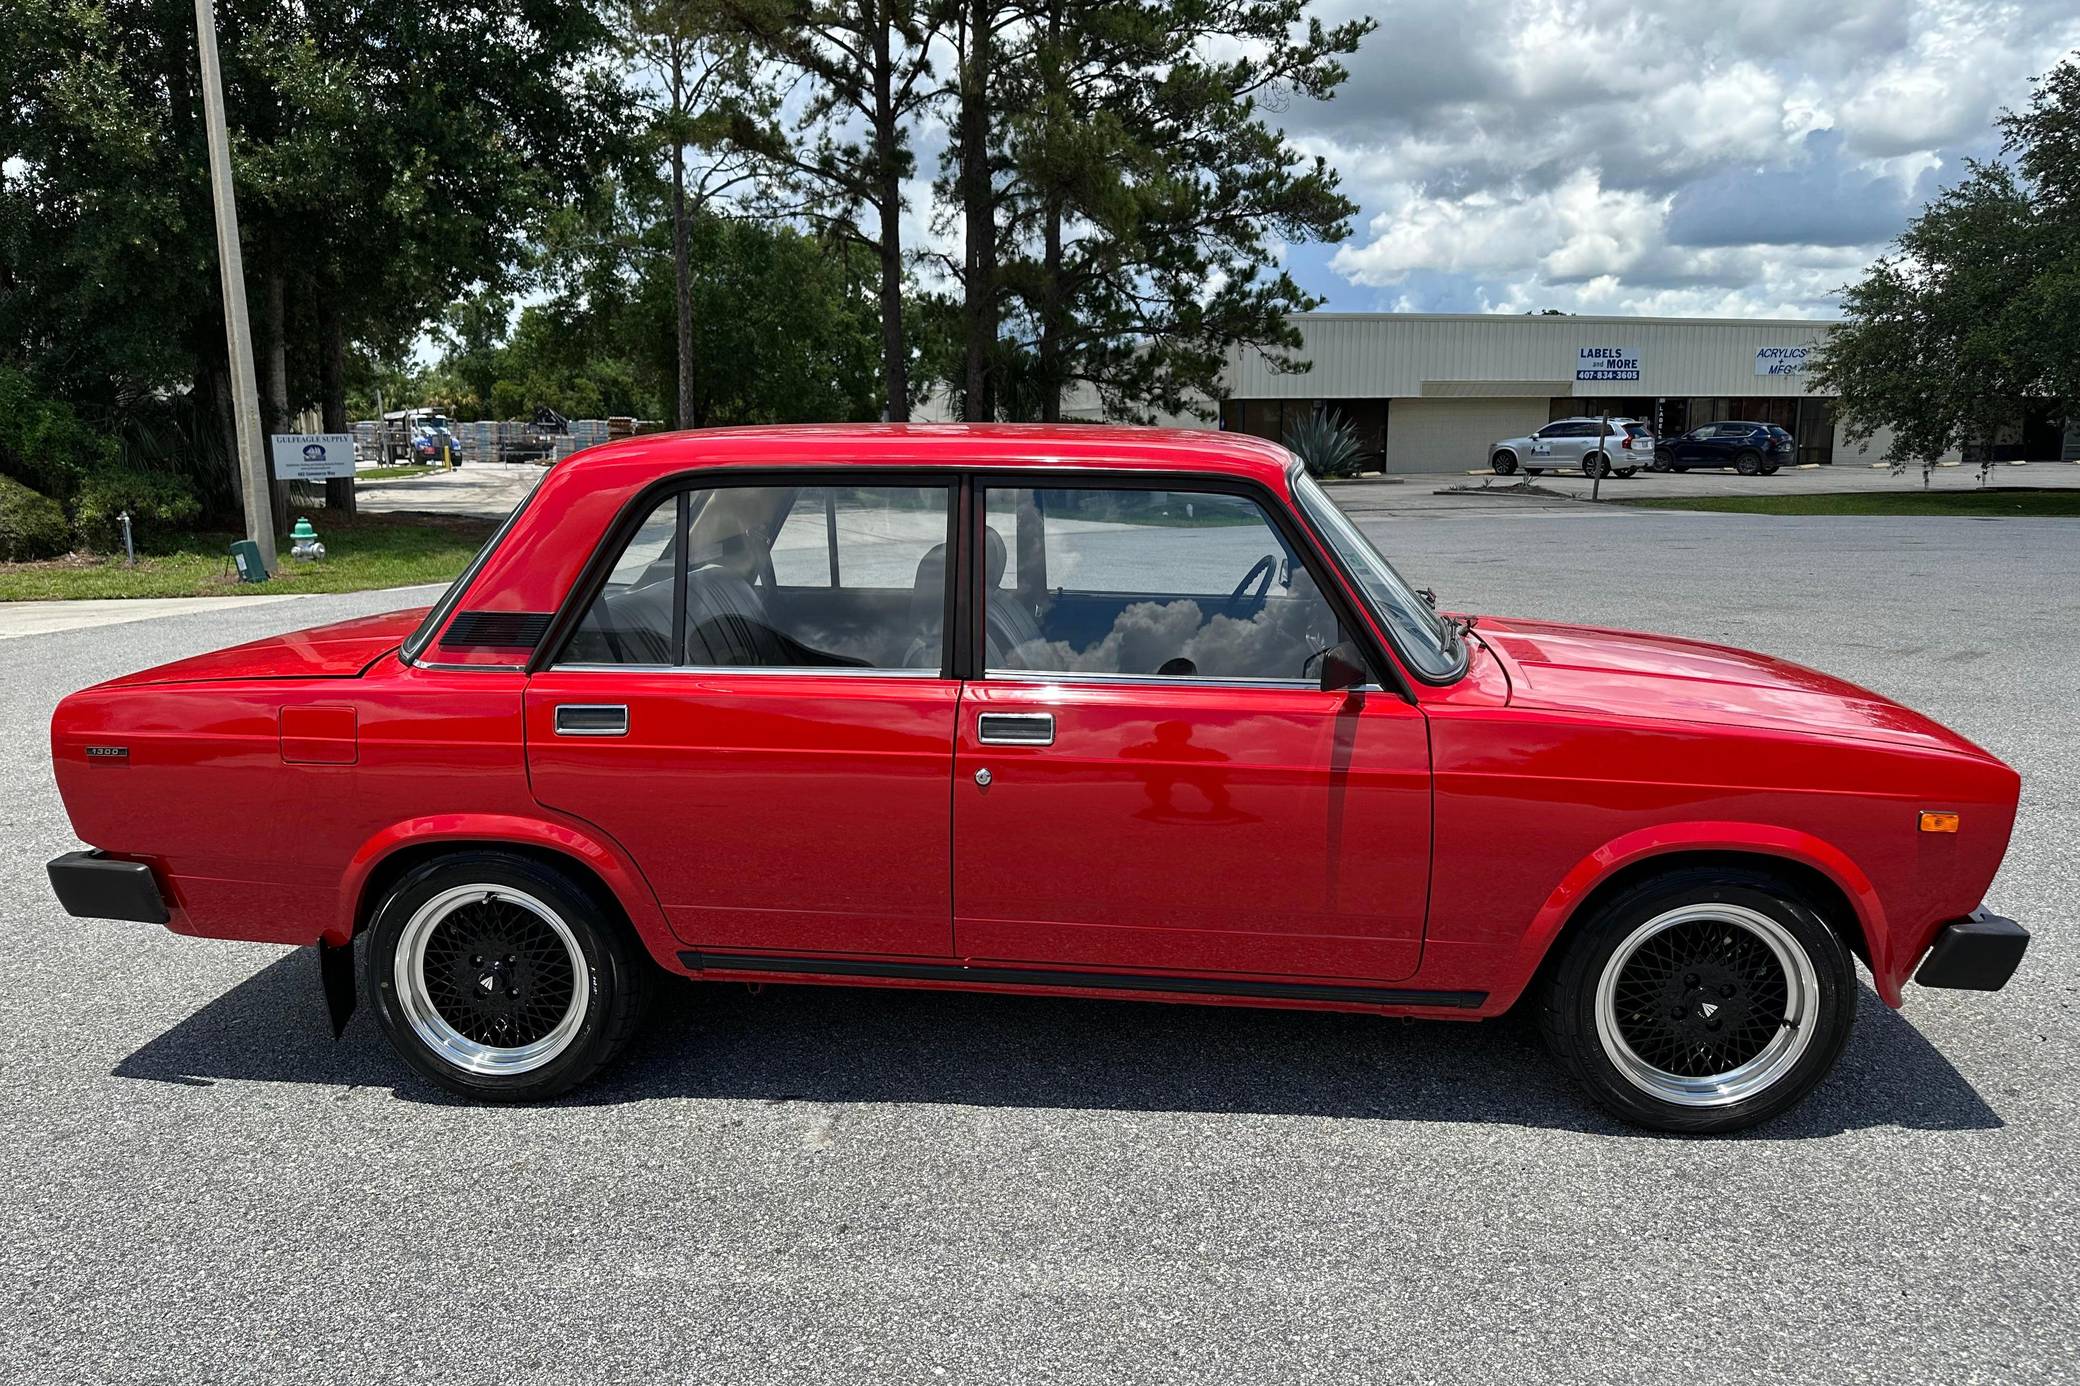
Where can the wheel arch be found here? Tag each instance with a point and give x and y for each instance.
(594, 862)
(1821, 874)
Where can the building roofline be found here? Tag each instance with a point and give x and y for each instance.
(1543, 319)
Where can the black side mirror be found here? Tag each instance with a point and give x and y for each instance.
(1342, 667)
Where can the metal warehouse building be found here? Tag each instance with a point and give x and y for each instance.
(1432, 391)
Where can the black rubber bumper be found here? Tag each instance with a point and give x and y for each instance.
(91, 886)
(1977, 953)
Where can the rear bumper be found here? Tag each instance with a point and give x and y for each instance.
(91, 886)
(1977, 953)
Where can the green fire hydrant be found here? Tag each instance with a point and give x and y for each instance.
(303, 540)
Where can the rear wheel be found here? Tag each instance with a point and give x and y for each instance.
(1701, 1001)
(1596, 464)
(501, 978)
(1748, 464)
(1504, 462)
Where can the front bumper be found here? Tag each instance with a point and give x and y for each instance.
(91, 886)
(1977, 953)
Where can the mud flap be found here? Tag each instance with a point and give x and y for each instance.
(336, 972)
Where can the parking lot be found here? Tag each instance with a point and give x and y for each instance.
(831, 1185)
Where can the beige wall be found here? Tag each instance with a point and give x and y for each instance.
(1453, 435)
(1877, 449)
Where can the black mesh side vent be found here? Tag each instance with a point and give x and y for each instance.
(496, 630)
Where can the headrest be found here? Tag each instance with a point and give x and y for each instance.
(995, 555)
(928, 591)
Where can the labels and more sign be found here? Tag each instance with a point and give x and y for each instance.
(312, 456)
(1593, 363)
(1781, 360)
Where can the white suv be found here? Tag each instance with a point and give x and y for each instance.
(1614, 447)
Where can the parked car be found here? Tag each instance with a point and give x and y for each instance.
(1071, 711)
(1752, 449)
(1611, 447)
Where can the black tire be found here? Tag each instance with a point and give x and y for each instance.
(616, 977)
(1596, 464)
(1660, 465)
(1748, 464)
(1568, 1008)
(1626, 473)
(1504, 462)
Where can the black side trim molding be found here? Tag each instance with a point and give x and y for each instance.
(91, 886)
(495, 630)
(1108, 981)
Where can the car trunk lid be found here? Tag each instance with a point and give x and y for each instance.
(340, 650)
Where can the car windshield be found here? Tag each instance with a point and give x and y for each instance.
(1423, 637)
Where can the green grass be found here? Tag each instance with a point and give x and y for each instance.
(1993, 502)
(365, 552)
(393, 473)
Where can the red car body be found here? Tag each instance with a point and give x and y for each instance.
(1410, 848)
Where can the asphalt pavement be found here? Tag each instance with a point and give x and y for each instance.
(833, 1186)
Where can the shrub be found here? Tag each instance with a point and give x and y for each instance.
(154, 499)
(43, 444)
(31, 525)
(1326, 444)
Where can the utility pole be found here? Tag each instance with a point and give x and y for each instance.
(238, 328)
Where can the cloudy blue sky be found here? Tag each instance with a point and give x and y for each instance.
(1715, 157)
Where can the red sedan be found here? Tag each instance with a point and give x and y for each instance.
(1063, 711)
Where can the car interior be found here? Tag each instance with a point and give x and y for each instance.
(741, 611)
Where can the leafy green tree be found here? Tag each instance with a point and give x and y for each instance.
(1143, 188)
(715, 100)
(390, 155)
(1975, 317)
(871, 76)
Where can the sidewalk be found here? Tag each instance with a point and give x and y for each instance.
(46, 618)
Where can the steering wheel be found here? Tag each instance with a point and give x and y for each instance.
(1260, 573)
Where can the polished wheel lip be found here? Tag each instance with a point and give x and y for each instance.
(1757, 1075)
(449, 1044)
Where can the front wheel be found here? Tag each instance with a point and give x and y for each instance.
(1504, 462)
(1701, 1001)
(501, 978)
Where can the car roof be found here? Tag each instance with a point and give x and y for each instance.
(1008, 446)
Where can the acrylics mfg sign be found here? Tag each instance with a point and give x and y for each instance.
(1781, 360)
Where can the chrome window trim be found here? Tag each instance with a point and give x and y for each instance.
(755, 670)
(1166, 681)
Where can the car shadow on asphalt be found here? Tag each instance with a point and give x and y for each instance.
(874, 1045)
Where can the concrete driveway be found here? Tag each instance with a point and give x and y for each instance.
(842, 1186)
(483, 490)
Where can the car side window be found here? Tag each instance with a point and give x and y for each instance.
(1148, 584)
(778, 577)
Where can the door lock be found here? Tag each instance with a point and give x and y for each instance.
(982, 777)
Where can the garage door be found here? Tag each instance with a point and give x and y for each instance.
(1453, 435)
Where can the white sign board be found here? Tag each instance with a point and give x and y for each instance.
(1781, 360)
(1606, 363)
(312, 456)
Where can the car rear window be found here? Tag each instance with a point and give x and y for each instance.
(1637, 430)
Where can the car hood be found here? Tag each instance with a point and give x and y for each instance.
(340, 650)
(1631, 674)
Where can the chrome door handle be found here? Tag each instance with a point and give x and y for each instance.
(1015, 729)
(591, 719)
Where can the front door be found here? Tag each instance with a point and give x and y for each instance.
(767, 728)
(1148, 775)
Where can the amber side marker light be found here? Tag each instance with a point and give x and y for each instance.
(1938, 822)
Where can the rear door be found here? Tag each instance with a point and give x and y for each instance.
(1148, 775)
(767, 726)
